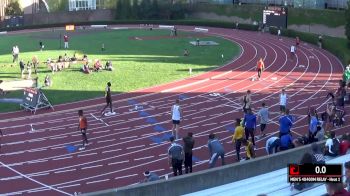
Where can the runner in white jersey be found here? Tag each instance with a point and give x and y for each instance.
(176, 116)
(283, 101)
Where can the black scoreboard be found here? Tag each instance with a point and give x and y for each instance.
(275, 16)
(31, 96)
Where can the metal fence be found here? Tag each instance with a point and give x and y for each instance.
(315, 4)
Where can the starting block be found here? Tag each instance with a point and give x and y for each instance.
(110, 113)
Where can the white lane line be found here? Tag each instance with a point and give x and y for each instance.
(13, 143)
(97, 181)
(142, 158)
(38, 190)
(123, 138)
(36, 161)
(41, 174)
(198, 117)
(64, 171)
(186, 111)
(227, 121)
(103, 141)
(13, 153)
(184, 86)
(13, 134)
(83, 155)
(61, 187)
(62, 158)
(94, 166)
(149, 134)
(119, 162)
(190, 127)
(23, 175)
(75, 135)
(209, 124)
(11, 178)
(102, 131)
(60, 137)
(37, 150)
(125, 176)
(132, 147)
(107, 151)
(120, 129)
(161, 155)
(158, 170)
(58, 147)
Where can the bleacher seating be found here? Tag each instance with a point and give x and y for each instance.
(273, 183)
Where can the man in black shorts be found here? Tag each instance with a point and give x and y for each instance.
(108, 99)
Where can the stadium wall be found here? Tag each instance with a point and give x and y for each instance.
(68, 17)
(212, 177)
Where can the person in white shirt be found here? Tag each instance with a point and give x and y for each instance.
(292, 51)
(279, 34)
(283, 101)
(176, 115)
(15, 53)
(272, 145)
(332, 144)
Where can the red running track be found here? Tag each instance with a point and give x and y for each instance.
(124, 146)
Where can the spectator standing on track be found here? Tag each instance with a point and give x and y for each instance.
(317, 155)
(238, 137)
(176, 115)
(216, 149)
(108, 96)
(292, 51)
(150, 176)
(340, 93)
(286, 123)
(312, 126)
(286, 142)
(297, 41)
(66, 41)
(260, 67)
(347, 175)
(283, 101)
(272, 145)
(189, 144)
(249, 125)
(247, 101)
(21, 66)
(83, 128)
(263, 115)
(15, 53)
(249, 149)
(279, 34)
(332, 146)
(175, 156)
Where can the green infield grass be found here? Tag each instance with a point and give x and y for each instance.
(141, 58)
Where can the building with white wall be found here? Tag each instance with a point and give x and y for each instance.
(75, 5)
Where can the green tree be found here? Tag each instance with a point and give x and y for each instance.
(135, 9)
(127, 9)
(13, 9)
(119, 9)
(155, 10)
(347, 18)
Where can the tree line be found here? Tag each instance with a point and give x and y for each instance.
(152, 9)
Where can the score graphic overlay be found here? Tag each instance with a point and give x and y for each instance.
(275, 16)
(314, 173)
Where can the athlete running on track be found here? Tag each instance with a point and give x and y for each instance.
(260, 67)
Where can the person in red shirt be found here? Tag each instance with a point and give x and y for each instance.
(336, 189)
(82, 127)
(66, 40)
(344, 144)
(260, 67)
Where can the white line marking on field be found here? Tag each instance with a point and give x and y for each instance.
(123, 138)
(13, 134)
(198, 117)
(38, 190)
(132, 147)
(83, 155)
(97, 181)
(13, 153)
(103, 141)
(165, 154)
(41, 174)
(184, 86)
(142, 158)
(62, 158)
(38, 161)
(115, 150)
(158, 170)
(61, 187)
(13, 143)
(64, 171)
(11, 178)
(60, 137)
(190, 127)
(118, 162)
(23, 175)
(208, 124)
(58, 147)
(94, 166)
(125, 176)
(37, 150)
(102, 131)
